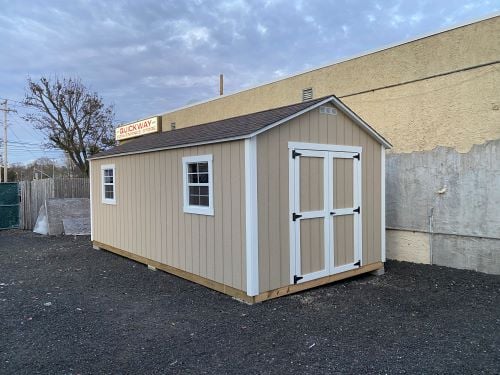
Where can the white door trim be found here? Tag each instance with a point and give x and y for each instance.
(329, 152)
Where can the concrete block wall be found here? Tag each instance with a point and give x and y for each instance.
(443, 207)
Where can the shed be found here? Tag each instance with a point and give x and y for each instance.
(256, 206)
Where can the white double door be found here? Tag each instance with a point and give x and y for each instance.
(325, 217)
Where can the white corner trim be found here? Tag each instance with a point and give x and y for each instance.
(198, 210)
(103, 199)
(90, 192)
(382, 205)
(251, 222)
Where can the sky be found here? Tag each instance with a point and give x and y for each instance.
(148, 57)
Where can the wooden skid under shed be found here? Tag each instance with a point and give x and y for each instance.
(279, 292)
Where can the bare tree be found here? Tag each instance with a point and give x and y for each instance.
(74, 119)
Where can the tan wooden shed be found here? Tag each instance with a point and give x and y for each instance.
(257, 206)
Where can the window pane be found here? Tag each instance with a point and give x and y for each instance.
(194, 190)
(192, 168)
(203, 190)
(108, 180)
(109, 192)
(203, 167)
(193, 178)
(204, 201)
(194, 200)
(203, 178)
(108, 172)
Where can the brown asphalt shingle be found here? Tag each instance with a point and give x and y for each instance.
(218, 130)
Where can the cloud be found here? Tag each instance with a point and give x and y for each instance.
(180, 82)
(152, 56)
(416, 18)
(261, 29)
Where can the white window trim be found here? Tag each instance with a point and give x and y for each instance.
(103, 199)
(198, 210)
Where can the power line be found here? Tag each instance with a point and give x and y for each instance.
(26, 143)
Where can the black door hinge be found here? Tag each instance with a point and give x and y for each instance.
(297, 278)
(358, 210)
(332, 213)
(357, 156)
(295, 154)
(358, 263)
(295, 216)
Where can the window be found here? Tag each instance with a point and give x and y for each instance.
(198, 196)
(108, 184)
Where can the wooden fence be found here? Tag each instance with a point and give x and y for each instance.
(34, 193)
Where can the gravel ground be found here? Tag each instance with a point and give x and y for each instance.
(67, 308)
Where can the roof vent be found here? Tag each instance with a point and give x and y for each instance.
(307, 94)
(327, 110)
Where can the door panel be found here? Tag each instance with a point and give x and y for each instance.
(311, 183)
(343, 189)
(312, 245)
(343, 244)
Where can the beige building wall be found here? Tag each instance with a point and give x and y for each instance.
(148, 219)
(456, 110)
(273, 197)
(408, 246)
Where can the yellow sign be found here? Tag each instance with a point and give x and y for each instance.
(135, 129)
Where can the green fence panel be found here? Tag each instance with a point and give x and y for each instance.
(9, 205)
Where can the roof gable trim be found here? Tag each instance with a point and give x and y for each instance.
(341, 106)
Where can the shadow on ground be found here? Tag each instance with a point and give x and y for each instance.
(67, 308)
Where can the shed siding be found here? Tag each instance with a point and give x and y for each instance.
(272, 186)
(148, 218)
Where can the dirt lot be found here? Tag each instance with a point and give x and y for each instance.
(67, 308)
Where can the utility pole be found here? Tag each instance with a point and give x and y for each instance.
(5, 109)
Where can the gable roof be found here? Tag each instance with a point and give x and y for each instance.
(234, 128)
